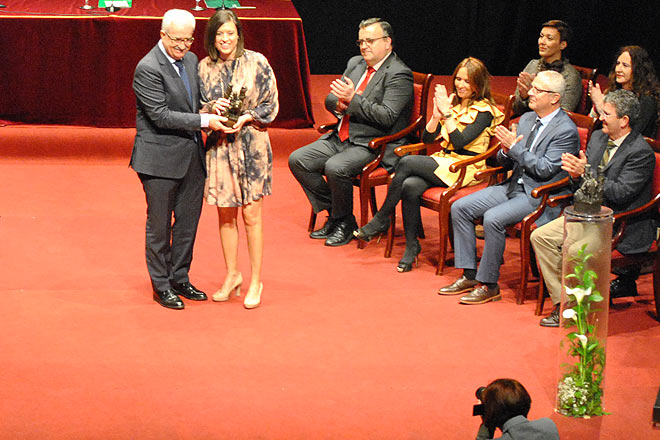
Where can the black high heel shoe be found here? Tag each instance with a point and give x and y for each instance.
(370, 230)
(409, 257)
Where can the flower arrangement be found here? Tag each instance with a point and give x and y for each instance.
(580, 390)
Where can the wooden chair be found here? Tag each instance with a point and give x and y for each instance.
(373, 174)
(620, 219)
(440, 199)
(524, 228)
(587, 74)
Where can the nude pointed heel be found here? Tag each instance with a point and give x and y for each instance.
(222, 295)
(253, 303)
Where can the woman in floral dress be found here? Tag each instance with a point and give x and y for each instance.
(239, 159)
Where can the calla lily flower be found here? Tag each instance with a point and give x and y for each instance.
(583, 339)
(579, 293)
(569, 314)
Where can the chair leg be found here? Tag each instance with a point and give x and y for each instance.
(312, 221)
(524, 266)
(656, 285)
(442, 251)
(372, 201)
(540, 298)
(390, 235)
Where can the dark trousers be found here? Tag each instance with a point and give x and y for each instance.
(339, 162)
(169, 245)
(413, 176)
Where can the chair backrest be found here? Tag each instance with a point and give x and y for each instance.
(585, 125)
(421, 87)
(655, 144)
(505, 104)
(588, 73)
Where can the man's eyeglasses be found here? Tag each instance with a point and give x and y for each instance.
(186, 41)
(537, 90)
(368, 41)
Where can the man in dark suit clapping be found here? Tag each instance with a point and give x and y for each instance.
(169, 157)
(373, 98)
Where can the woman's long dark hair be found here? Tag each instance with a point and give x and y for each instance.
(479, 80)
(644, 78)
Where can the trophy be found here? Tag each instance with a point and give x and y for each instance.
(589, 196)
(233, 112)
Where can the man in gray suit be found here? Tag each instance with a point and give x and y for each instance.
(534, 153)
(169, 157)
(629, 163)
(373, 98)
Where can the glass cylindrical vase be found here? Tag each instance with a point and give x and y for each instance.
(586, 260)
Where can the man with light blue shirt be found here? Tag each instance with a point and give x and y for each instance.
(533, 152)
(169, 157)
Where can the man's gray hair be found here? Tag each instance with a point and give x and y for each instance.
(625, 103)
(385, 26)
(554, 80)
(178, 16)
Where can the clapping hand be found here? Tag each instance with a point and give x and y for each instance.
(524, 83)
(507, 137)
(574, 165)
(441, 102)
(343, 88)
(596, 95)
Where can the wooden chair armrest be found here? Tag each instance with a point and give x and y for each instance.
(546, 189)
(410, 148)
(324, 128)
(382, 141)
(474, 159)
(563, 199)
(488, 172)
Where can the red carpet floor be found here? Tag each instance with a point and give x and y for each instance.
(343, 346)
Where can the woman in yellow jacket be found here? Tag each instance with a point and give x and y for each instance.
(463, 123)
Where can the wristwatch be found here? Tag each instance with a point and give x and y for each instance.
(447, 115)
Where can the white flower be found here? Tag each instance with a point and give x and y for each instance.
(579, 293)
(569, 314)
(583, 339)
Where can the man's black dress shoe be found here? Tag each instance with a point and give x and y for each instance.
(552, 320)
(622, 287)
(325, 230)
(167, 298)
(189, 291)
(343, 234)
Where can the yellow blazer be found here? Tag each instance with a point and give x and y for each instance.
(463, 118)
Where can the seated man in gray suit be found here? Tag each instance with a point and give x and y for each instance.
(552, 42)
(534, 153)
(628, 162)
(373, 98)
(169, 157)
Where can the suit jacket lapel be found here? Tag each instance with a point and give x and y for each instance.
(170, 70)
(552, 126)
(378, 76)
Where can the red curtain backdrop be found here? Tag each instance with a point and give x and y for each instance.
(64, 65)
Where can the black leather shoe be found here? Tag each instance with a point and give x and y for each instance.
(167, 298)
(622, 287)
(481, 295)
(189, 291)
(552, 320)
(459, 286)
(325, 230)
(342, 235)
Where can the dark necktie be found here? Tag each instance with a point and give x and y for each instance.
(518, 169)
(343, 130)
(184, 78)
(607, 153)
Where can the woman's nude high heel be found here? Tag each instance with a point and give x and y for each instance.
(253, 301)
(224, 295)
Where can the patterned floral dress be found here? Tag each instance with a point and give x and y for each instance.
(239, 166)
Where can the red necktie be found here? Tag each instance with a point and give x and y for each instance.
(343, 130)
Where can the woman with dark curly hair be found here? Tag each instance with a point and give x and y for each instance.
(633, 70)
